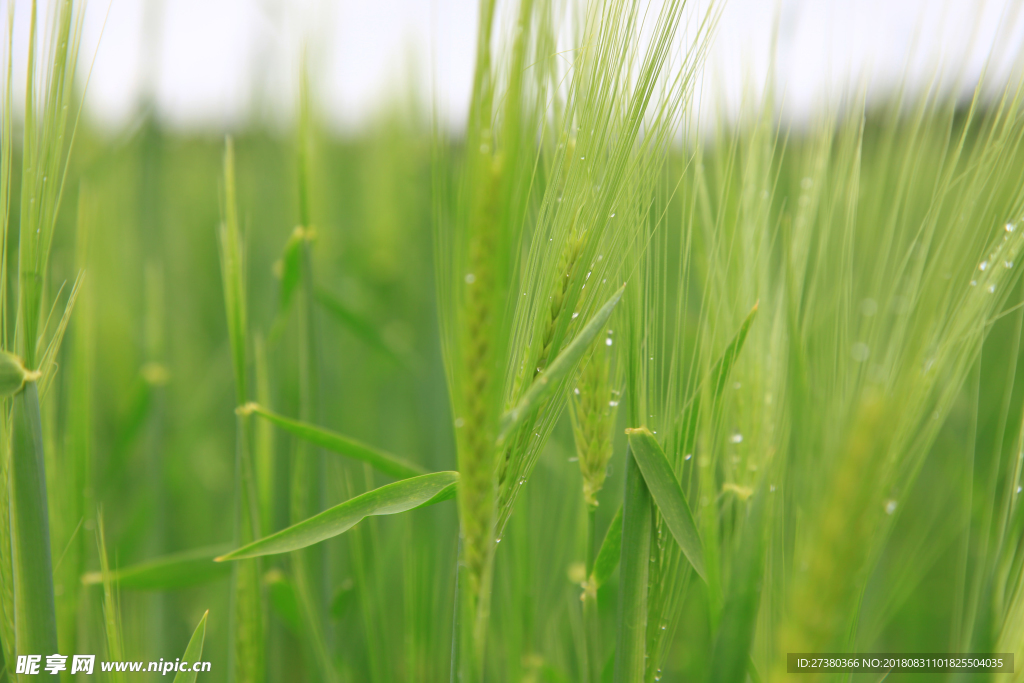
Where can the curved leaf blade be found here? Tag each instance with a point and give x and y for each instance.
(667, 495)
(170, 572)
(563, 363)
(391, 465)
(366, 331)
(718, 377)
(401, 496)
(608, 555)
(193, 651)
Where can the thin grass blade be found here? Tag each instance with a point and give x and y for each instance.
(730, 657)
(608, 556)
(667, 495)
(718, 377)
(356, 324)
(171, 572)
(48, 362)
(401, 496)
(193, 652)
(391, 465)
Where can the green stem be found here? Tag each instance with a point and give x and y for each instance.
(591, 624)
(307, 477)
(634, 568)
(35, 618)
(591, 537)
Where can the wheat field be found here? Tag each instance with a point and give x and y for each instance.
(589, 390)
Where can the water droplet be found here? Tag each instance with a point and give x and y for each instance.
(459, 423)
(983, 265)
(688, 456)
(890, 507)
(613, 404)
(608, 342)
(1010, 227)
(470, 278)
(575, 315)
(582, 158)
(497, 540)
(1019, 489)
(611, 215)
(860, 352)
(991, 289)
(771, 488)
(588, 275)
(974, 283)
(576, 391)
(736, 438)
(599, 257)
(1008, 264)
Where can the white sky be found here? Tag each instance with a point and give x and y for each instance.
(211, 63)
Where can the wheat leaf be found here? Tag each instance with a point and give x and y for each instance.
(561, 366)
(667, 495)
(193, 652)
(391, 465)
(170, 572)
(401, 496)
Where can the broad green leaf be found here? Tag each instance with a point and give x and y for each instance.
(193, 652)
(608, 555)
(563, 363)
(391, 465)
(667, 494)
(178, 570)
(356, 324)
(730, 657)
(401, 496)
